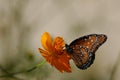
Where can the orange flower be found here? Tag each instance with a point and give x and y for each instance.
(54, 53)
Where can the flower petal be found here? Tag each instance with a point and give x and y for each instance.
(43, 52)
(58, 44)
(46, 41)
(61, 62)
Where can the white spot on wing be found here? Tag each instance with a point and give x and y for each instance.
(87, 47)
(89, 37)
(80, 46)
(91, 40)
(88, 42)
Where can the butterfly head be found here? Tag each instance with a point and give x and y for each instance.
(68, 49)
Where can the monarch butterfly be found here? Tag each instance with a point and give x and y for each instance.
(82, 50)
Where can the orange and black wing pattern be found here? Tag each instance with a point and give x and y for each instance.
(82, 50)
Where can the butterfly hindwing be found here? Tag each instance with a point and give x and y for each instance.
(82, 50)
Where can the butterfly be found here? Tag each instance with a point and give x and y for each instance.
(82, 50)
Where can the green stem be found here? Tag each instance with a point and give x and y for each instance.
(42, 63)
(37, 66)
(29, 70)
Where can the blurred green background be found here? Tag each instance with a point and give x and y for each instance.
(22, 22)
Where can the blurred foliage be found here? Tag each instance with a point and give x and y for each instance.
(15, 49)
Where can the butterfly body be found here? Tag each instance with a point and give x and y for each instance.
(82, 50)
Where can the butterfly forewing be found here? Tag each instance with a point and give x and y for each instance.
(100, 39)
(82, 50)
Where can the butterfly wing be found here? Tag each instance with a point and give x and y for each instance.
(82, 50)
